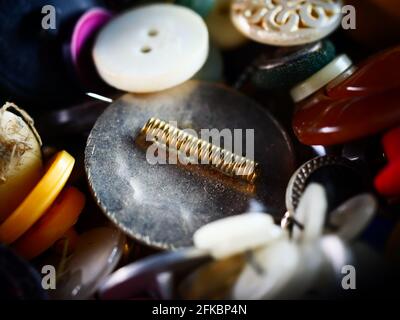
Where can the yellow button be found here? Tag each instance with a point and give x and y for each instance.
(39, 200)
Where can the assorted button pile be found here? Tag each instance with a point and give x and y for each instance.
(314, 191)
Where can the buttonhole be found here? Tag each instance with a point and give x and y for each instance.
(146, 49)
(153, 33)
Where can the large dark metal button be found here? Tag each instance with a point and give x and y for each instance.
(163, 205)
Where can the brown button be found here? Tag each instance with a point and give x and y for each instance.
(363, 104)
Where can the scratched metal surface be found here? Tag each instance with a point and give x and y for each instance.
(163, 205)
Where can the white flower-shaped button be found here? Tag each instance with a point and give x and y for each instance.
(270, 271)
(151, 48)
(237, 234)
(346, 222)
(311, 214)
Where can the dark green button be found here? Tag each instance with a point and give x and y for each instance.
(289, 66)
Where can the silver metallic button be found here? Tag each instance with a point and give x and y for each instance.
(163, 205)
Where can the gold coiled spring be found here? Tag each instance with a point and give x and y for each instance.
(198, 150)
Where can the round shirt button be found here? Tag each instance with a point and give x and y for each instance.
(151, 48)
(286, 22)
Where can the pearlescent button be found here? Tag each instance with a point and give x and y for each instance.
(151, 48)
(98, 253)
(286, 22)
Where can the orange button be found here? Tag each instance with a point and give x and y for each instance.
(61, 216)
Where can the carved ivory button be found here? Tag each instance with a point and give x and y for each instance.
(151, 48)
(286, 22)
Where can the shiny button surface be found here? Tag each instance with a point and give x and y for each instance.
(151, 48)
(162, 205)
